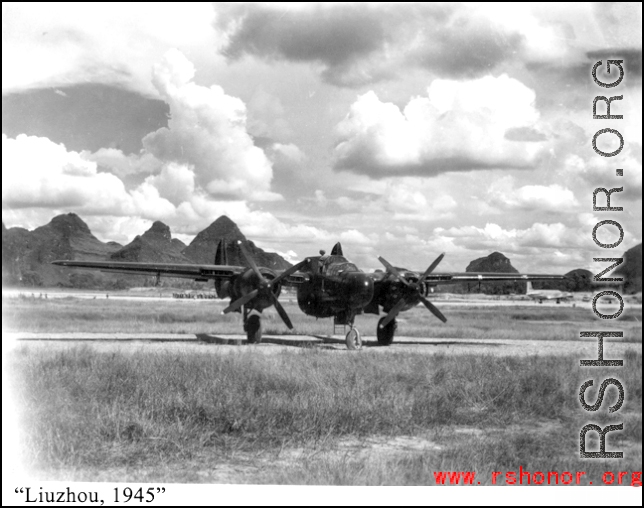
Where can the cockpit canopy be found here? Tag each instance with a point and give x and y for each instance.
(331, 265)
(337, 267)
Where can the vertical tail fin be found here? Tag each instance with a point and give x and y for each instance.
(221, 254)
(337, 250)
(528, 287)
(221, 258)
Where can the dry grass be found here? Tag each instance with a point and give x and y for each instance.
(287, 418)
(204, 316)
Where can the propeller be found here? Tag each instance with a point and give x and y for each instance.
(412, 291)
(265, 287)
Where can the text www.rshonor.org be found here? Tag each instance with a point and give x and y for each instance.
(525, 477)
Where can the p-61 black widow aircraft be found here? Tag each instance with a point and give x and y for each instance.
(327, 286)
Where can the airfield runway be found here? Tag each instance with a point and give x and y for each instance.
(216, 344)
(442, 299)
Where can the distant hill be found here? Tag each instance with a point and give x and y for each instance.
(156, 245)
(202, 249)
(576, 280)
(583, 280)
(631, 270)
(495, 263)
(15, 243)
(27, 255)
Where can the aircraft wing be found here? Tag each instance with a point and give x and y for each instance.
(200, 273)
(186, 271)
(435, 279)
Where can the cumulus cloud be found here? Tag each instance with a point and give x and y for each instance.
(176, 182)
(39, 173)
(417, 200)
(357, 238)
(596, 172)
(64, 44)
(534, 198)
(541, 245)
(290, 151)
(207, 130)
(206, 141)
(266, 116)
(494, 237)
(459, 126)
(123, 165)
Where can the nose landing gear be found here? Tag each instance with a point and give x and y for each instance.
(353, 339)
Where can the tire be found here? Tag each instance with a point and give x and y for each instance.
(254, 329)
(386, 333)
(353, 339)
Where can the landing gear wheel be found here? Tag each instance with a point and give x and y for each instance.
(353, 339)
(253, 328)
(386, 333)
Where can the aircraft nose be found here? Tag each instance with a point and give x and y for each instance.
(359, 289)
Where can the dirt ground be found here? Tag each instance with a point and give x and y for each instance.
(220, 344)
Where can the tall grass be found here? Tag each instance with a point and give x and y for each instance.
(86, 410)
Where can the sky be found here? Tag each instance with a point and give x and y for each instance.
(401, 130)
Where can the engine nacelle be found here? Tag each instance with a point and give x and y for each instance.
(392, 290)
(248, 281)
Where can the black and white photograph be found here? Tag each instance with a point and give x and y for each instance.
(321, 244)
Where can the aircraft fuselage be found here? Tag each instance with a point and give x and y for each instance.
(326, 296)
(334, 287)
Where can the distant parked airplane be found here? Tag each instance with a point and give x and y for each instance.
(546, 294)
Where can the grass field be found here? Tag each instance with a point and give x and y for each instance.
(180, 316)
(308, 416)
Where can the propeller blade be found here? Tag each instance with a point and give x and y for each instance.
(432, 308)
(432, 266)
(241, 301)
(282, 313)
(266, 286)
(393, 312)
(392, 270)
(251, 262)
(286, 273)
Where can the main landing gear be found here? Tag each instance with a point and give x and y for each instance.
(253, 325)
(353, 339)
(386, 333)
